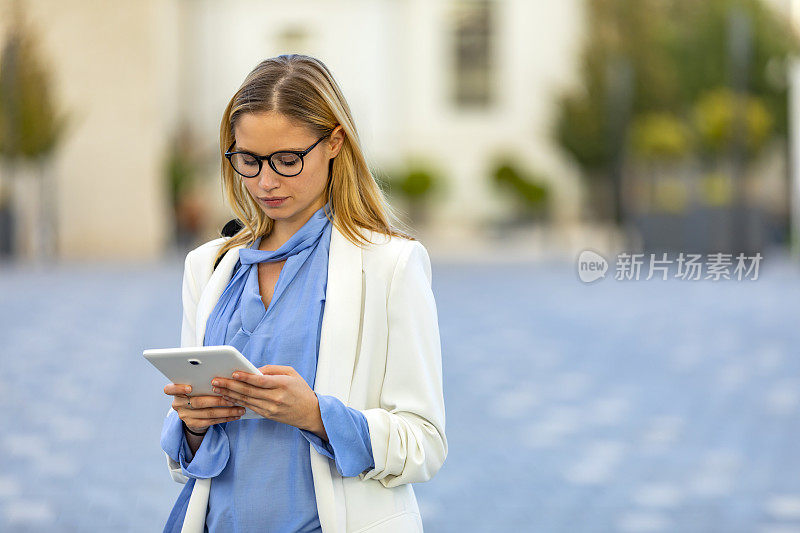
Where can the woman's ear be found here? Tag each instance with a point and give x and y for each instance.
(336, 141)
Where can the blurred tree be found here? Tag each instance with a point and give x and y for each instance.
(673, 52)
(698, 41)
(30, 128)
(659, 142)
(714, 116)
(659, 136)
(531, 193)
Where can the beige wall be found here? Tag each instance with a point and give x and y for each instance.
(114, 66)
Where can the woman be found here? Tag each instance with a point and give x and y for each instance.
(333, 304)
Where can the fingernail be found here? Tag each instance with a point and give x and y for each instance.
(215, 382)
(188, 389)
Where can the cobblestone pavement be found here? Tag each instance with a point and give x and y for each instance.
(616, 406)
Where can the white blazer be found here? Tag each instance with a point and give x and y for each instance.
(379, 353)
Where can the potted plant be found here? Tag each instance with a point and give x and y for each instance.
(415, 184)
(529, 193)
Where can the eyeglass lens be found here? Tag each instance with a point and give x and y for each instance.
(285, 163)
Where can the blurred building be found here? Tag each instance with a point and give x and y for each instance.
(454, 82)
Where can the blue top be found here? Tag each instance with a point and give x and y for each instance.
(261, 468)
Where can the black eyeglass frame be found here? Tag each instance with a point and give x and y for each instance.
(268, 158)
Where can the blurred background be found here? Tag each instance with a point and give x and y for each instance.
(511, 135)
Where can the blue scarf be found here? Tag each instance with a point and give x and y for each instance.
(297, 251)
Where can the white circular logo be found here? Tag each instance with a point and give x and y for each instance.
(591, 266)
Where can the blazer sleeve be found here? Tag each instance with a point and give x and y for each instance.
(407, 430)
(189, 298)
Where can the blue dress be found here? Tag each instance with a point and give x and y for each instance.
(261, 468)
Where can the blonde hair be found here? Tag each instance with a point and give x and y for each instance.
(302, 89)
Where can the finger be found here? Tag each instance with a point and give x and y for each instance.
(207, 401)
(244, 401)
(215, 412)
(180, 402)
(237, 397)
(225, 385)
(207, 422)
(177, 388)
(277, 370)
(269, 381)
(249, 402)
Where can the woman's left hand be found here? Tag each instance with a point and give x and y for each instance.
(279, 393)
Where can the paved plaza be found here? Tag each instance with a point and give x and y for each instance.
(629, 406)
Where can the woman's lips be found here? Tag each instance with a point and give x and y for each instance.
(273, 203)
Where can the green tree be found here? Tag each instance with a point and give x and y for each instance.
(30, 127)
(658, 58)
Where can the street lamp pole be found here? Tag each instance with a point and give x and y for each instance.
(794, 141)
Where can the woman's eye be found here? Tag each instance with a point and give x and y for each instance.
(288, 160)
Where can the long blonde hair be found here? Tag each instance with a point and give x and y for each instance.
(302, 88)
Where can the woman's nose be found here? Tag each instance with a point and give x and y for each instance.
(267, 178)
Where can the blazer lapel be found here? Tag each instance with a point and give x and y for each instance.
(341, 318)
(213, 290)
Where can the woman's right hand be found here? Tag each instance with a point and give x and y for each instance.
(204, 411)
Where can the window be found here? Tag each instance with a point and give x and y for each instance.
(472, 53)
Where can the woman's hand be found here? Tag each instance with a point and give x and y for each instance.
(204, 410)
(279, 393)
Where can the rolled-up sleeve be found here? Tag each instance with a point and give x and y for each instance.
(348, 437)
(407, 431)
(211, 457)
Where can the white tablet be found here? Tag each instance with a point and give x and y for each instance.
(197, 366)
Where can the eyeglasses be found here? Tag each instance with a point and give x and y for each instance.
(285, 162)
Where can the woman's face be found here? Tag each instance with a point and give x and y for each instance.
(265, 133)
